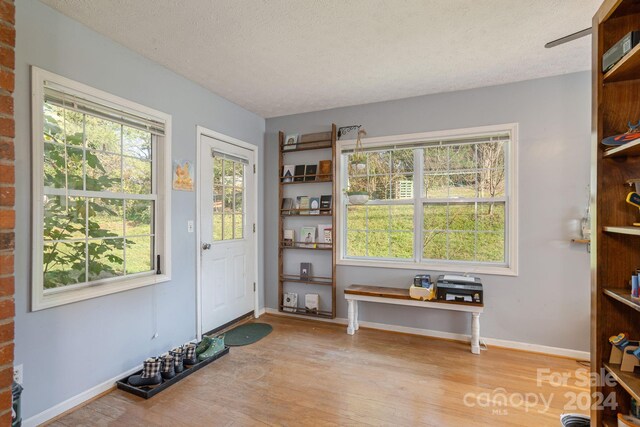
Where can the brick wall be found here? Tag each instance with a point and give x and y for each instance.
(7, 212)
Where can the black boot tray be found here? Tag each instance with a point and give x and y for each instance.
(148, 392)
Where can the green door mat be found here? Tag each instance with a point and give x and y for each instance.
(247, 334)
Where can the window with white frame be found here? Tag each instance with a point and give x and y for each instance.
(100, 194)
(440, 200)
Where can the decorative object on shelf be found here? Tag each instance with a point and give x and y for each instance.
(312, 303)
(291, 141)
(619, 50)
(308, 237)
(299, 173)
(287, 205)
(314, 205)
(633, 198)
(325, 233)
(632, 134)
(310, 172)
(326, 203)
(182, 175)
(288, 172)
(627, 420)
(288, 238)
(634, 285)
(618, 344)
(324, 170)
(305, 270)
(290, 302)
(358, 197)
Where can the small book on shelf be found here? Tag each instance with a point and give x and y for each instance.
(314, 206)
(298, 173)
(325, 202)
(310, 172)
(287, 173)
(324, 170)
(325, 234)
(308, 237)
(290, 141)
(312, 303)
(305, 270)
(288, 238)
(303, 205)
(287, 205)
(289, 302)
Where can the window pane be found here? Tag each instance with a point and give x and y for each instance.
(402, 187)
(217, 227)
(491, 247)
(238, 226)
(63, 264)
(378, 217)
(106, 258)
(64, 218)
(136, 143)
(53, 123)
(401, 245)
(106, 218)
(217, 171)
(435, 217)
(139, 254)
(103, 171)
(227, 171)
(379, 163)
(102, 134)
(435, 159)
(462, 246)
(491, 216)
(462, 216)
(401, 161)
(74, 128)
(356, 217)
(491, 183)
(360, 183)
(379, 187)
(356, 243)
(227, 229)
(436, 186)
(378, 245)
(238, 174)
(54, 166)
(402, 218)
(462, 185)
(136, 176)
(462, 157)
(435, 245)
(217, 198)
(228, 200)
(239, 200)
(139, 217)
(74, 168)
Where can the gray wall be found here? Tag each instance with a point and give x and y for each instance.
(69, 349)
(548, 303)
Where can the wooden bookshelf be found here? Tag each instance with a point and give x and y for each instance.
(615, 242)
(325, 144)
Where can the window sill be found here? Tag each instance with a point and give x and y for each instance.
(43, 301)
(459, 268)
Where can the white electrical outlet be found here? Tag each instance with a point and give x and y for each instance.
(17, 374)
(190, 226)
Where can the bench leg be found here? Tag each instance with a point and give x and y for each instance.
(356, 324)
(351, 329)
(475, 333)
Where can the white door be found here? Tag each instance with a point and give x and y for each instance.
(227, 232)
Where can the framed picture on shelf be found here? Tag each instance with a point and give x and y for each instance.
(308, 237)
(312, 302)
(289, 236)
(287, 205)
(298, 175)
(287, 173)
(290, 302)
(325, 203)
(303, 205)
(291, 141)
(325, 236)
(314, 206)
(305, 270)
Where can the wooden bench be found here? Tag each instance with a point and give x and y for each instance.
(400, 296)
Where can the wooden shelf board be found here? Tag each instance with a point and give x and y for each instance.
(323, 248)
(583, 241)
(628, 68)
(631, 230)
(629, 149)
(303, 312)
(294, 279)
(628, 380)
(624, 297)
(297, 150)
(307, 182)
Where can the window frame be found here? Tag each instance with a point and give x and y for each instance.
(510, 268)
(162, 186)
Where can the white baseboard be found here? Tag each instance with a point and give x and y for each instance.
(515, 345)
(76, 400)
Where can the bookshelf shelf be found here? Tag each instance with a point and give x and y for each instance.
(630, 149)
(623, 297)
(628, 68)
(305, 175)
(630, 230)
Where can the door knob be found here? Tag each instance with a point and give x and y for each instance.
(206, 246)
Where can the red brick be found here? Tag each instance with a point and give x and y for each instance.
(8, 35)
(6, 105)
(6, 150)
(7, 57)
(7, 241)
(6, 334)
(6, 267)
(7, 126)
(7, 12)
(6, 376)
(7, 174)
(6, 354)
(7, 81)
(5, 418)
(7, 286)
(7, 219)
(7, 196)
(5, 398)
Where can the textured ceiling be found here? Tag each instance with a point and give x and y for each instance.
(279, 57)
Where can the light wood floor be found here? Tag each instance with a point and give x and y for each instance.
(313, 373)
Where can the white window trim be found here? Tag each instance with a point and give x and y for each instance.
(511, 194)
(40, 300)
